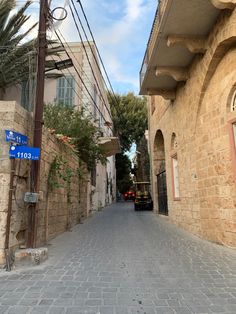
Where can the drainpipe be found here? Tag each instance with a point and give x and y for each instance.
(9, 213)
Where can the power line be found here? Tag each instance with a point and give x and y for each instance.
(86, 53)
(79, 96)
(81, 79)
(83, 83)
(75, 58)
(71, 74)
(99, 55)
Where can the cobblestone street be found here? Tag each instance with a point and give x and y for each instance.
(124, 262)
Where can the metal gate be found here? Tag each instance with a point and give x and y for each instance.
(162, 193)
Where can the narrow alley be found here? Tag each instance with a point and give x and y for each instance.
(124, 262)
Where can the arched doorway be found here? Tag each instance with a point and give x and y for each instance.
(160, 173)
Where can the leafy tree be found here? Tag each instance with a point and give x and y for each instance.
(77, 130)
(130, 122)
(143, 163)
(123, 169)
(129, 117)
(14, 56)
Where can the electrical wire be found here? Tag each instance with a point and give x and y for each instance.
(111, 92)
(108, 110)
(99, 55)
(81, 79)
(68, 82)
(86, 53)
(75, 58)
(79, 96)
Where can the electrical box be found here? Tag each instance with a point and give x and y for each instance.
(31, 197)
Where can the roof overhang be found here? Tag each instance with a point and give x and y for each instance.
(110, 145)
(179, 32)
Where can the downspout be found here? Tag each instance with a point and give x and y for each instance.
(9, 213)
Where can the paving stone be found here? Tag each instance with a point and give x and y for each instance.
(121, 310)
(106, 310)
(9, 301)
(17, 309)
(40, 310)
(57, 310)
(28, 302)
(93, 302)
(4, 308)
(164, 310)
(182, 310)
(123, 262)
(95, 295)
(44, 302)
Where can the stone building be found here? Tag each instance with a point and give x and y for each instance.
(84, 57)
(70, 90)
(189, 75)
(73, 200)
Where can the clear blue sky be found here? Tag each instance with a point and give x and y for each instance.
(121, 29)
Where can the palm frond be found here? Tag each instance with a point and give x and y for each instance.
(5, 8)
(14, 24)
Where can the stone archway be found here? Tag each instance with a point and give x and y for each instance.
(160, 188)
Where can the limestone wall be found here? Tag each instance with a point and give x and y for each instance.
(199, 117)
(61, 205)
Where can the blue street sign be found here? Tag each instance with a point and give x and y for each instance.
(24, 152)
(15, 137)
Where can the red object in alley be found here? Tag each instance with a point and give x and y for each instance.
(129, 196)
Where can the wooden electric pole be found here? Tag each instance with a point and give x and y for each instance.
(38, 120)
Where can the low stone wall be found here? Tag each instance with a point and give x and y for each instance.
(63, 192)
(61, 204)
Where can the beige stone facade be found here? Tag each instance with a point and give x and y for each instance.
(63, 202)
(60, 206)
(85, 95)
(192, 133)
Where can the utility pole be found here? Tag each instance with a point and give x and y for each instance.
(38, 121)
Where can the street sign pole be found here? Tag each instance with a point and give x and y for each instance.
(38, 123)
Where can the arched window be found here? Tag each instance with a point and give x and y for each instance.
(233, 103)
(232, 126)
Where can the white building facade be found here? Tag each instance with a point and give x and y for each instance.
(81, 86)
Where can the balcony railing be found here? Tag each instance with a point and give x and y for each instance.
(152, 38)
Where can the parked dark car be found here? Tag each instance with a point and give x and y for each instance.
(143, 199)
